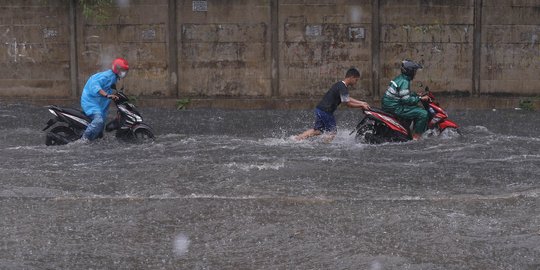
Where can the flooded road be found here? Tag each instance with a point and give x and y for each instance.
(227, 189)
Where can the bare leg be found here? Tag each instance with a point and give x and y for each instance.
(329, 137)
(306, 134)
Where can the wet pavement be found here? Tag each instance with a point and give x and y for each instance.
(229, 189)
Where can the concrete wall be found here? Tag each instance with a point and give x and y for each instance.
(319, 41)
(34, 48)
(138, 33)
(270, 49)
(510, 52)
(438, 34)
(225, 50)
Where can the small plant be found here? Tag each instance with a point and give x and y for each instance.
(133, 100)
(526, 104)
(181, 104)
(98, 9)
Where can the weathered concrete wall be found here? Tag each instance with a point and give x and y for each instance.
(271, 49)
(510, 59)
(34, 48)
(319, 41)
(137, 32)
(224, 50)
(438, 34)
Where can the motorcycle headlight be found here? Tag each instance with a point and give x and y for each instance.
(53, 112)
(132, 116)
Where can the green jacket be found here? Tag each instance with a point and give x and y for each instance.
(399, 94)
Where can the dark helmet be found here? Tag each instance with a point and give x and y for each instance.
(409, 68)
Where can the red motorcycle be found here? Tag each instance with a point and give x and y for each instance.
(379, 126)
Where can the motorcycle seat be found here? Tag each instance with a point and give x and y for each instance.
(74, 112)
(403, 122)
(377, 110)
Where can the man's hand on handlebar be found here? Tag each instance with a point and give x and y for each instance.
(425, 98)
(113, 97)
(364, 105)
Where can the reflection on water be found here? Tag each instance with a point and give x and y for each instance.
(225, 189)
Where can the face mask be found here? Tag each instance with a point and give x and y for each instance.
(122, 74)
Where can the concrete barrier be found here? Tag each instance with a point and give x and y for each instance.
(271, 52)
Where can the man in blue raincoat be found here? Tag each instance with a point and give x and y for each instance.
(97, 95)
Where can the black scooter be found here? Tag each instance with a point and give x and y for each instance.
(70, 124)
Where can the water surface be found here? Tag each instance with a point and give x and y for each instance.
(229, 189)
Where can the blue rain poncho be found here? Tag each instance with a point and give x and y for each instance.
(91, 101)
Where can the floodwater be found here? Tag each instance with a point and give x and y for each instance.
(228, 189)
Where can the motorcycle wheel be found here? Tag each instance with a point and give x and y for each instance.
(63, 132)
(143, 136)
(365, 131)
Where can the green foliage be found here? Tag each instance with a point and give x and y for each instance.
(526, 104)
(133, 100)
(96, 9)
(182, 103)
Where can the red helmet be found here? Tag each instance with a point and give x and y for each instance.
(119, 64)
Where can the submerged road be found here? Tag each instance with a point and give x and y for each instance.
(228, 189)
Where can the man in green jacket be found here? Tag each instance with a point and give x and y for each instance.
(402, 102)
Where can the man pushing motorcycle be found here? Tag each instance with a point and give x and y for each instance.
(402, 102)
(97, 95)
(324, 112)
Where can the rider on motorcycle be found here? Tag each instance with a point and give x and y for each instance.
(402, 102)
(97, 95)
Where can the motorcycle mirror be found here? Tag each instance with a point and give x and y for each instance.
(426, 89)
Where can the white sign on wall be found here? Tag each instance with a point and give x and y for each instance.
(314, 30)
(200, 6)
(356, 33)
